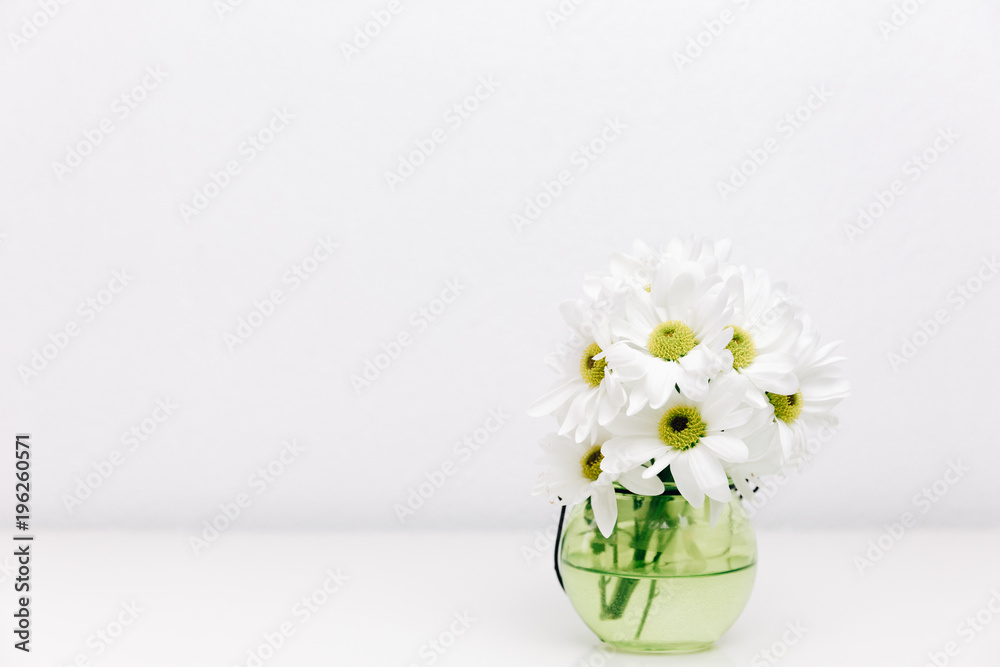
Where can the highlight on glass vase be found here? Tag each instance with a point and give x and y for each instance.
(687, 378)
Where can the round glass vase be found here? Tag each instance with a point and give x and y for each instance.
(668, 580)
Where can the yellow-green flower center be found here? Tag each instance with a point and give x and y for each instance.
(743, 348)
(591, 463)
(786, 408)
(648, 287)
(671, 340)
(592, 369)
(681, 427)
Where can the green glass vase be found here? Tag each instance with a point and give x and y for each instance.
(668, 580)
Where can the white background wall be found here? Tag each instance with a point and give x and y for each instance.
(686, 128)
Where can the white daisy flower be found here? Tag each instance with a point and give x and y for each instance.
(573, 472)
(637, 269)
(697, 439)
(766, 325)
(588, 393)
(712, 254)
(627, 271)
(821, 387)
(674, 335)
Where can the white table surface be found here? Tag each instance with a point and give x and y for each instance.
(405, 589)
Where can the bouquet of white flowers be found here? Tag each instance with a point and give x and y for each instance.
(683, 369)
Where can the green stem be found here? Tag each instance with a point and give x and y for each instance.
(649, 603)
(644, 532)
(653, 593)
(619, 599)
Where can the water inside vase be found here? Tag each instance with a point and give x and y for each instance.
(661, 614)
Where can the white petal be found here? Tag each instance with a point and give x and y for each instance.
(602, 333)
(787, 439)
(621, 264)
(779, 333)
(712, 313)
(726, 447)
(765, 443)
(644, 423)
(555, 398)
(641, 311)
(661, 462)
(694, 385)
(719, 406)
(606, 411)
(637, 400)
(761, 418)
(616, 391)
(827, 388)
(681, 291)
(584, 432)
(709, 474)
(635, 481)
(715, 508)
(685, 479)
(580, 411)
(626, 452)
(661, 381)
(774, 372)
(734, 419)
(626, 362)
(756, 398)
(605, 508)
